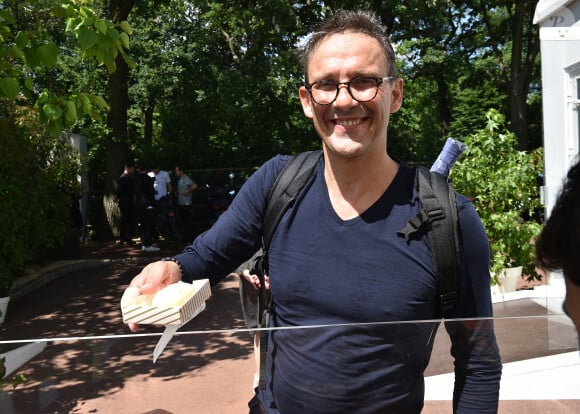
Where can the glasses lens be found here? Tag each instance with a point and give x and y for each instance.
(324, 92)
(363, 89)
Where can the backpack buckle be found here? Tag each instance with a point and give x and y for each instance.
(448, 301)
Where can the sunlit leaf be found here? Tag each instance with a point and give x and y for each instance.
(99, 101)
(124, 38)
(101, 26)
(126, 27)
(52, 111)
(71, 112)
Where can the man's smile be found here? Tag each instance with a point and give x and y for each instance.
(348, 122)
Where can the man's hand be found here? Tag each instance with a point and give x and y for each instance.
(153, 277)
(255, 280)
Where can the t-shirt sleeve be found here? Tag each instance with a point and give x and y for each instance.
(236, 236)
(474, 348)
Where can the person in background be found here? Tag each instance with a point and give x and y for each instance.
(336, 262)
(163, 189)
(251, 310)
(126, 189)
(558, 245)
(145, 204)
(185, 187)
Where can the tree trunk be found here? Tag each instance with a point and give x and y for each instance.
(519, 114)
(525, 49)
(117, 148)
(148, 127)
(443, 104)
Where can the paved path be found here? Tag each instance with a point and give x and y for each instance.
(198, 373)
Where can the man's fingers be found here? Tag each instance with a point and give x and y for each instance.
(149, 289)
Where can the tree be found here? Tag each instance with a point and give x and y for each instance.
(516, 55)
(27, 49)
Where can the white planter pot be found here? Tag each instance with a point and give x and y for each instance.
(509, 278)
(3, 307)
(15, 358)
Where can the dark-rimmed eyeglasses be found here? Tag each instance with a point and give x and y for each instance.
(361, 89)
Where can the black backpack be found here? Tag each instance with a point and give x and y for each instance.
(438, 212)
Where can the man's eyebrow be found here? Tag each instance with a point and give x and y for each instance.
(350, 76)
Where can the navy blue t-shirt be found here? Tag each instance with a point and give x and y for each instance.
(359, 284)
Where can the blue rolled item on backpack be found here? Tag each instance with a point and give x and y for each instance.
(451, 151)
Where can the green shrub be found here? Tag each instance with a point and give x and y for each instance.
(36, 191)
(502, 183)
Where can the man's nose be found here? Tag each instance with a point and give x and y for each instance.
(344, 97)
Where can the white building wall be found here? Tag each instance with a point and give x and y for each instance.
(560, 52)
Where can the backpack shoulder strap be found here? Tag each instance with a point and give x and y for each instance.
(283, 192)
(439, 214)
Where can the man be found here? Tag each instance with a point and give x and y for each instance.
(146, 211)
(126, 186)
(163, 189)
(185, 187)
(335, 259)
(558, 246)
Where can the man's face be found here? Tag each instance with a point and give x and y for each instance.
(572, 303)
(346, 126)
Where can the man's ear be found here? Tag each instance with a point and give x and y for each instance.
(396, 95)
(306, 102)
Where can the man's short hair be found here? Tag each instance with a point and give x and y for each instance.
(359, 21)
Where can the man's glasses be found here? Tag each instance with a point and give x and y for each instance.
(361, 89)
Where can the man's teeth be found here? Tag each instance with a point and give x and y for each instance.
(348, 122)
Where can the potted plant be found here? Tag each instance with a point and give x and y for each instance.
(502, 182)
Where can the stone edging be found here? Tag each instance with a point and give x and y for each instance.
(43, 277)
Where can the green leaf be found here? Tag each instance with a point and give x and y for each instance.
(126, 27)
(87, 38)
(53, 112)
(7, 16)
(15, 52)
(99, 101)
(101, 26)
(110, 64)
(86, 104)
(71, 112)
(113, 34)
(48, 54)
(130, 62)
(54, 127)
(31, 57)
(86, 12)
(71, 24)
(21, 40)
(9, 87)
(124, 40)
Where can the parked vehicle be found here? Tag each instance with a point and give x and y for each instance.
(221, 195)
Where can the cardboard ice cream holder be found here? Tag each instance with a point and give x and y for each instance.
(135, 310)
(169, 315)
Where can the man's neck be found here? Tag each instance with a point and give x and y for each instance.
(354, 184)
